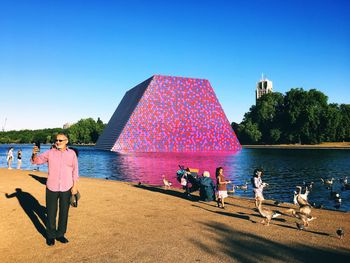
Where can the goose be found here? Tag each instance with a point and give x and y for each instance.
(267, 214)
(340, 233)
(305, 209)
(166, 183)
(305, 218)
(301, 199)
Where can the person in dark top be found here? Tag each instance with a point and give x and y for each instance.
(206, 188)
(19, 159)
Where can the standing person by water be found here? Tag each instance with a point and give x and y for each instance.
(9, 158)
(61, 184)
(258, 186)
(19, 159)
(221, 184)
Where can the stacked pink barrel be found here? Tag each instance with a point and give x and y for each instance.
(169, 114)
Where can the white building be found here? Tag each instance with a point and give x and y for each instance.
(264, 86)
(66, 125)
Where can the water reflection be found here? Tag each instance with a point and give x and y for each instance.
(284, 168)
(148, 167)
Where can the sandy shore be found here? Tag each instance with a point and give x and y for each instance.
(122, 222)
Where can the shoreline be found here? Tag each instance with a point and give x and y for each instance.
(327, 146)
(124, 222)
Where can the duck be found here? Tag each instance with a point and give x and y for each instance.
(231, 191)
(334, 194)
(305, 218)
(242, 187)
(346, 186)
(267, 214)
(166, 183)
(340, 232)
(327, 181)
(344, 180)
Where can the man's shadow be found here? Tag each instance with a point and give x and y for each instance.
(32, 208)
(40, 179)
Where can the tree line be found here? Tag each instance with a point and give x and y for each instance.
(298, 117)
(85, 131)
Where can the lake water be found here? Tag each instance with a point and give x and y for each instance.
(284, 168)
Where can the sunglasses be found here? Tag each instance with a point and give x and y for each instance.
(60, 140)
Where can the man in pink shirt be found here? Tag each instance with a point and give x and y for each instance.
(61, 184)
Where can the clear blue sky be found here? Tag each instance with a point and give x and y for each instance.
(61, 61)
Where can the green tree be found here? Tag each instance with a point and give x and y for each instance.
(344, 127)
(249, 133)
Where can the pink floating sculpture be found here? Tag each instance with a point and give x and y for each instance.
(169, 114)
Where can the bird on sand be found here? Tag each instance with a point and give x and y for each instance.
(305, 218)
(166, 183)
(266, 213)
(301, 199)
(300, 226)
(340, 233)
(305, 209)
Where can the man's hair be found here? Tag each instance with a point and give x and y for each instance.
(63, 133)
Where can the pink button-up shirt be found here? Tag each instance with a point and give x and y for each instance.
(63, 169)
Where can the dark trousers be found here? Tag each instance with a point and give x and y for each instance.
(56, 200)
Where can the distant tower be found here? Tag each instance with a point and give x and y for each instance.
(264, 86)
(66, 125)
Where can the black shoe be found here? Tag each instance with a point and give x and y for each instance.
(50, 241)
(62, 240)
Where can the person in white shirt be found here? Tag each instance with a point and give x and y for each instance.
(9, 158)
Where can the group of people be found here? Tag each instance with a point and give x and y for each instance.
(10, 158)
(208, 191)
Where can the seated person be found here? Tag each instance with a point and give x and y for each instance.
(206, 187)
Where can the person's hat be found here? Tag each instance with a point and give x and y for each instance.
(206, 174)
(74, 199)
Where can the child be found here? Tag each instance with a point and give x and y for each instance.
(221, 187)
(258, 186)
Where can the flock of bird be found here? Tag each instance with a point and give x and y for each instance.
(305, 208)
(300, 199)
